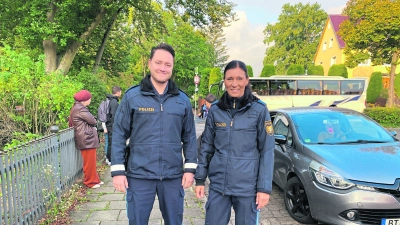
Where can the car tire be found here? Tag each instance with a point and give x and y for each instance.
(296, 201)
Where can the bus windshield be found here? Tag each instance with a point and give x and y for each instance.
(290, 91)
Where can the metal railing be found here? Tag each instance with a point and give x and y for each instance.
(34, 175)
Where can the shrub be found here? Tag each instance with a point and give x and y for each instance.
(374, 87)
(338, 70)
(295, 69)
(315, 70)
(387, 117)
(397, 85)
(268, 70)
(249, 71)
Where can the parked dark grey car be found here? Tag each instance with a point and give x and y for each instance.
(336, 166)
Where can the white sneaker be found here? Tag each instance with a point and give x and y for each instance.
(101, 183)
(96, 186)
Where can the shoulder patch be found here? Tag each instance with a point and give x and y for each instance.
(268, 128)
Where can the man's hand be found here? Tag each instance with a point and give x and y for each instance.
(120, 183)
(187, 180)
(199, 190)
(262, 199)
(105, 131)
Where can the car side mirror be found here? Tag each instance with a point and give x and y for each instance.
(393, 133)
(280, 139)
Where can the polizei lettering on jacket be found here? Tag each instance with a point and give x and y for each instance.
(146, 109)
(220, 124)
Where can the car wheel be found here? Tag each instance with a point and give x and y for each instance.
(296, 201)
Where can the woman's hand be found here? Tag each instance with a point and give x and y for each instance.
(199, 190)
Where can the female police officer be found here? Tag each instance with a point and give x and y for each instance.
(237, 152)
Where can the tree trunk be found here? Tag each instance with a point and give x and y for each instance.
(50, 48)
(70, 54)
(100, 51)
(390, 102)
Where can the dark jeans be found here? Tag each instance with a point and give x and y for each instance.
(109, 132)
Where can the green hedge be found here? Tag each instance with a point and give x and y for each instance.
(315, 70)
(397, 84)
(375, 87)
(338, 70)
(295, 69)
(249, 71)
(387, 117)
(268, 70)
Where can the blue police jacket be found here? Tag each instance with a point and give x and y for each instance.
(237, 149)
(158, 129)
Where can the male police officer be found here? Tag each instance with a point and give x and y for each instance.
(158, 120)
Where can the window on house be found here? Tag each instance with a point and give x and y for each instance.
(331, 43)
(324, 46)
(333, 60)
(329, 26)
(320, 63)
(366, 62)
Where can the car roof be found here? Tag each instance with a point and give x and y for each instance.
(308, 109)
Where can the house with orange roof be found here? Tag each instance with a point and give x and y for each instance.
(330, 51)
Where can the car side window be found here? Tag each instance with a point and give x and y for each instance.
(281, 127)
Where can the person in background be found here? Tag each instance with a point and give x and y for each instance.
(158, 119)
(236, 153)
(86, 138)
(210, 99)
(113, 105)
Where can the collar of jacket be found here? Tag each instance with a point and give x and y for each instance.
(110, 96)
(225, 102)
(145, 86)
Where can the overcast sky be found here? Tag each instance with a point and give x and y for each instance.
(244, 38)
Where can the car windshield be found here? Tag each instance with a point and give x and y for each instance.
(336, 127)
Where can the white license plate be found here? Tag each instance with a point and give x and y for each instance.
(390, 221)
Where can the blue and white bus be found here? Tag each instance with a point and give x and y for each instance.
(289, 91)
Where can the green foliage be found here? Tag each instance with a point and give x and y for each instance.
(94, 86)
(397, 85)
(215, 77)
(338, 70)
(249, 71)
(370, 31)
(386, 116)
(20, 138)
(315, 70)
(295, 36)
(295, 69)
(374, 87)
(204, 81)
(268, 70)
(44, 100)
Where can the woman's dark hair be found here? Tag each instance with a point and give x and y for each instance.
(163, 46)
(235, 64)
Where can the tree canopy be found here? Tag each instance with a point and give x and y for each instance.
(295, 36)
(373, 31)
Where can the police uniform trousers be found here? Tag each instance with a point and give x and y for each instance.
(140, 197)
(218, 209)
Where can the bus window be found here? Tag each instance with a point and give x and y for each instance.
(331, 87)
(283, 87)
(259, 86)
(309, 87)
(352, 87)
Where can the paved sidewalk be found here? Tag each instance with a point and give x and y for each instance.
(107, 206)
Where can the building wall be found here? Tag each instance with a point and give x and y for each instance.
(325, 55)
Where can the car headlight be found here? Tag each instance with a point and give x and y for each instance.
(327, 177)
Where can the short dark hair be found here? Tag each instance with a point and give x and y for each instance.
(163, 46)
(235, 64)
(210, 98)
(116, 89)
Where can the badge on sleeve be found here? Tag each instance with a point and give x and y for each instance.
(268, 128)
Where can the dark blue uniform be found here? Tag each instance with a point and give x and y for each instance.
(158, 128)
(237, 155)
